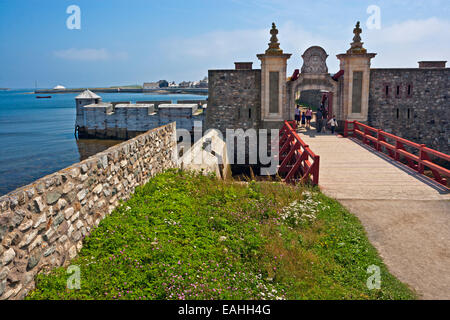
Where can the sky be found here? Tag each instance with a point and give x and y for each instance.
(122, 42)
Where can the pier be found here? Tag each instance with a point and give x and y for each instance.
(171, 90)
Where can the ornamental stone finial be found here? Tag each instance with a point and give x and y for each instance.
(274, 45)
(357, 31)
(357, 45)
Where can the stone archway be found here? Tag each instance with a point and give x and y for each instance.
(314, 76)
(314, 82)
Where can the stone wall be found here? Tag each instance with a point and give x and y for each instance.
(234, 99)
(312, 98)
(155, 103)
(125, 121)
(207, 155)
(42, 225)
(195, 101)
(432, 64)
(183, 114)
(416, 105)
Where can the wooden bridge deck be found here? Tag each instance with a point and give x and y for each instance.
(406, 215)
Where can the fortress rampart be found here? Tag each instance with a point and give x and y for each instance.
(124, 120)
(42, 225)
(412, 103)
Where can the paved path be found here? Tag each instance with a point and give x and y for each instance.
(406, 216)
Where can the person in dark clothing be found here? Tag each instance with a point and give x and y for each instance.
(297, 115)
(324, 112)
(308, 118)
(325, 117)
(319, 121)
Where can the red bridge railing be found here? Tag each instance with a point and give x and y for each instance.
(376, 138)
(298, 162)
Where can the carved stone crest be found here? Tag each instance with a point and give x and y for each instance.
(314, 60)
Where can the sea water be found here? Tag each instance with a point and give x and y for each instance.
(37, 135)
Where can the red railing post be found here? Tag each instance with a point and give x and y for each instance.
(422, 157)
(296, 163)
(378, 140)
(316, 170)
(397, 150)
(398, 146)
(365, 141)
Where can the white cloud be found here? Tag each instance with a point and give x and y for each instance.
(294, 39)
(219, 49)
(412, 31)
(397, 45)
(403, 44)
(217, 44)
(89, 55)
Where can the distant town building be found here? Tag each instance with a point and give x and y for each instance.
(156, 85)
(185, 84)
(202, 83)
(163, 83)
(150, 85)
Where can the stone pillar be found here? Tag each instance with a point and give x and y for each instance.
(85, 98)
(355, 91)
(274, 108)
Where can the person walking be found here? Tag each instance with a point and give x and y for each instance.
(297, 115)
(303, 118)
(308, 117)
(325, 112)
(333, 123)
(319, 121)
(324, 121)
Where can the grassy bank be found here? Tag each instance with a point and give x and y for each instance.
(187, 236)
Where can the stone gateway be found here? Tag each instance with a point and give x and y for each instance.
(409, 102)
(314, 60)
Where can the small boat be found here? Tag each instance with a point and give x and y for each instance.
(43, 97)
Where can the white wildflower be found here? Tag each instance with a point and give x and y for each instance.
(297, 213)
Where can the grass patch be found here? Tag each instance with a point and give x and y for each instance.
(189, 236)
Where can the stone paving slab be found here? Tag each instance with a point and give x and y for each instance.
(406, 215)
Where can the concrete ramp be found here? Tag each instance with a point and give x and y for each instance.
(209, 154)
(406, 215)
